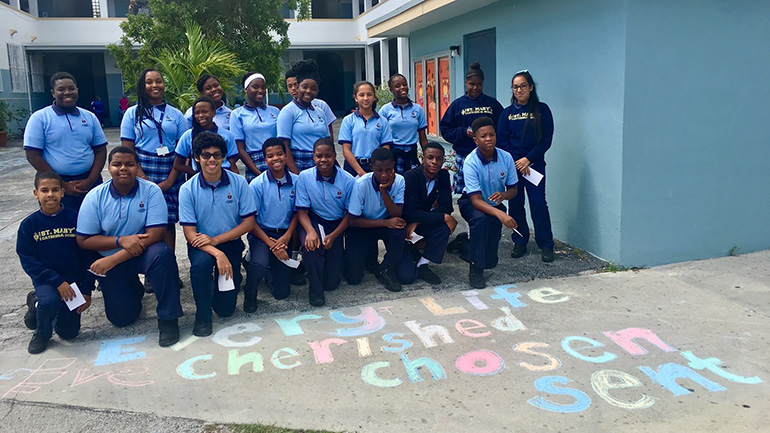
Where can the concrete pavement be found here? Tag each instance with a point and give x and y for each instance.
(674, 348)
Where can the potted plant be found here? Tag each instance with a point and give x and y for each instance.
(8, 114)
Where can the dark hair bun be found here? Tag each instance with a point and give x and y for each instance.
(475, 65)
(305, 66)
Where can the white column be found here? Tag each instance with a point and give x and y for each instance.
(384, 60)
(367, 5)
(15, 4)
(358, 64)
(33, 9)
(356, 12)
(369, 61)
(404, 63)
(104, 8)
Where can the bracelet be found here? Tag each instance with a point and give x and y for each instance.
(117, 241)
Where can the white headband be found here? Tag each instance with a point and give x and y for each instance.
(251, 78)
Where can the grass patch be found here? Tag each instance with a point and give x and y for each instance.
(612, 267)
(734, 251)
(256, 428)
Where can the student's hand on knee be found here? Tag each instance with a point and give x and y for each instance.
(65, 291)
(224, 266)
(85, 306)
(451, 222)
(284, 240)
(133, 244)
(396, 223)
(410, 228)
(497, 197)
(311, 241)
(201, 241)
(329, 241)
(102, 266)
(281, 254)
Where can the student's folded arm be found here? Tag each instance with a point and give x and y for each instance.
(96, 242)
(247, 223)
(154, 235)
(260, 234)
(481, 205)
(366, 223)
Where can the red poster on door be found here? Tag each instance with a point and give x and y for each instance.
(430, 97)
(419, 84)
(444, 98)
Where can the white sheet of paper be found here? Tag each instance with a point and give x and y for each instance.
(414, 238)
(321, 233)
(534, 176)
(98, 275)
(225, 285)
(78, 300)
(294, 264)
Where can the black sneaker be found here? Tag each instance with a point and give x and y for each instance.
(30, 317)
(458, 243)
(203, 328)
(519, 250)
(37, 344)
(424, 273)
(249, 304)
(547, 255)
(476, 277)
(389, 280)
(297, 279)
(168, 332)
(317, 299)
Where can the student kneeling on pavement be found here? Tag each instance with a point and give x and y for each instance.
(125, 220)
(216, 208)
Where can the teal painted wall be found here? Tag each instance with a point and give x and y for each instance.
(696, 143)
(575, 52)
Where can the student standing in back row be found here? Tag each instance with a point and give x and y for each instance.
(292, 86)
(407, 125)
(203, 122)
(525, 131)
(363, 131)
(300, 123)
(253, 124)
(209, 85)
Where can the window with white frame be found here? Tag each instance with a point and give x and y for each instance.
(36, 72)
(18, 74)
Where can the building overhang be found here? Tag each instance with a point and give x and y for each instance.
(414, 15)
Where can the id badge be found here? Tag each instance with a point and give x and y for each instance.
(162, 151)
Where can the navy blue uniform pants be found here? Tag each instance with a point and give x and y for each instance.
(484, 236)
(360, 241)
(264, 264)
(53, 314)
(324, 267)
(123, 293)
(538, 209)
(203, 279)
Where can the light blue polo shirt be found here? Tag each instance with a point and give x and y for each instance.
(275, 200)
(221, 117)
(145, 134)
(254, 125)
(405, 122)
(67, 140)
(320, 104)
(105, 212)
(303, 126)
(328, 199)
(487, 177)
(214, 210)
(365, 135)
(366, 200)
(184, 147)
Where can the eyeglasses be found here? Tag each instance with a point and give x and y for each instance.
(205, 156)
(522, 87)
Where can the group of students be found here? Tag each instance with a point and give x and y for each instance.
(173, 167)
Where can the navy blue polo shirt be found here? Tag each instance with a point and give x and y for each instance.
(486, 177)
(184, 147)
(366, 199)
(405, 122)
(214, 210)
(67, 140)
(106, 212)
(364, 135)
(327, 198)
(146, 135)
(301, 125)
(275, 200)
(254, 126)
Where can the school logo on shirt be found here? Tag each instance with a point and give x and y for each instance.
(414, 114)
(229, 197)
(291, 193)
(378, 125)
(141, 207)
(83, 121)
(319, 118)
(502, 174)
(339, 194)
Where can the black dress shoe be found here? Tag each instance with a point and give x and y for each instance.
(30, 317)
(37, 344)
(519, 250)
(168, 332)
(203, 328)
(250, 304)
(547, 255)
(389, 280)
(426, 274)
(476, 277)
(458, 243)
(317, 299)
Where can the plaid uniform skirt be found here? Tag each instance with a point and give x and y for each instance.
(458, 180)
(303, 159)
(405, 157)
(259, 161)
(157, 168)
